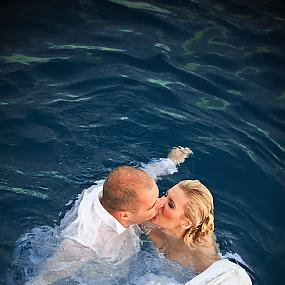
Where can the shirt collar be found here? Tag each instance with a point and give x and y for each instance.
(104, 214)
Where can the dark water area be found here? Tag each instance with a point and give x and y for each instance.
(86, 86)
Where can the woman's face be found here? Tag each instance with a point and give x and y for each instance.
(171, 214)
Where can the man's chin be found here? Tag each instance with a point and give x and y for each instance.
(154, 219)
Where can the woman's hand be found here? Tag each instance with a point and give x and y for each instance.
(179, 154)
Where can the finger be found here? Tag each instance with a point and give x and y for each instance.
(188, 150)
(183, 149)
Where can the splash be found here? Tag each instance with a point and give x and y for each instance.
(147, 267)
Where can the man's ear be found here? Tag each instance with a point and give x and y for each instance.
(186, 224)
(124, 215)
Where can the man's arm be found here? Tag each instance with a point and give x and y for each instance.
(166, 166)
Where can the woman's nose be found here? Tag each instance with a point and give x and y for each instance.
(161, 202)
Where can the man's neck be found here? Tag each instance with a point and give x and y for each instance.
(113, 212)
(106, 206)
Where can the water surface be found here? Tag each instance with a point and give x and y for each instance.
(90, 85)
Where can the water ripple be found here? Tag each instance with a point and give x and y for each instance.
(23, 191)
(74, 46)
(84, 93)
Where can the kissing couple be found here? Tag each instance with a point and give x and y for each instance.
(107, 219)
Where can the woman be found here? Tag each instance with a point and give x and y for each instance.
(184, 228)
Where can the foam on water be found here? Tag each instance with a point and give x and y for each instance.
(31, 251)
(147, 267)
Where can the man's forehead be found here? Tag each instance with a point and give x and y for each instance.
(149, 197)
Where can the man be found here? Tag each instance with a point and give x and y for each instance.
(101, 223)
(105, 214)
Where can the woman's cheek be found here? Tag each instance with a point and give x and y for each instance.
(167, 214)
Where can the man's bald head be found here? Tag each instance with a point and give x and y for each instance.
(123, 187)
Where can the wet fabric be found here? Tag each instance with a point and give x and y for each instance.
(222, 272)
(95, 228)
(90, 225)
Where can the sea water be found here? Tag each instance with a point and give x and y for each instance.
(86, 86)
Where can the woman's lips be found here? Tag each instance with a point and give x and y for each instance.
(158, 214)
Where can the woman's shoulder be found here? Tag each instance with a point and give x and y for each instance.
(204, 256)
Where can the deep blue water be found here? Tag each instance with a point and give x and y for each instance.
(89, 85)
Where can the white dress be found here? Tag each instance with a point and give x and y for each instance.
(222, 272)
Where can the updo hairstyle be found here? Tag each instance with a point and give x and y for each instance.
(199, 210)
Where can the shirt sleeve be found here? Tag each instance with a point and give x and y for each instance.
(159, 167)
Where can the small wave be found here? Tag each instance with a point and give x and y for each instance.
(31, 251)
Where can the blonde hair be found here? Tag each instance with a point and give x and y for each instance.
(199, 210)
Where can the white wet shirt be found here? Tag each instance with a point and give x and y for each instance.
(95, 228)
(90, 225)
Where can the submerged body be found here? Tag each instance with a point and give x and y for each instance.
(195, 259)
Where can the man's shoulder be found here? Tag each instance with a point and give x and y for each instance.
(93, 191)
(98, 186)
